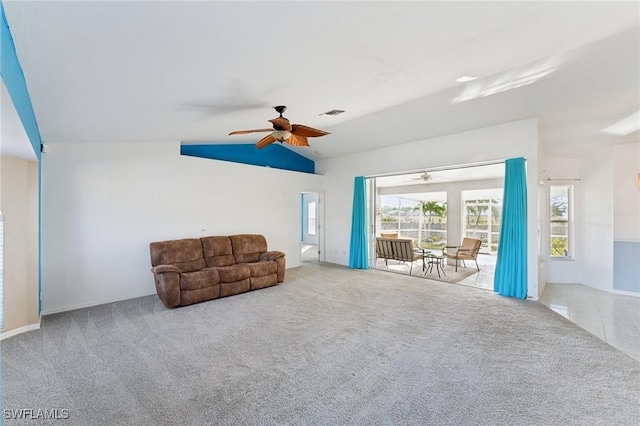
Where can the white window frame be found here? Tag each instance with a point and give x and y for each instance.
(570, 220)
(311, 218)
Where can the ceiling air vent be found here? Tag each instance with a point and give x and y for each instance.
(333, 112)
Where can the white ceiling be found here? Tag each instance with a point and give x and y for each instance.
(194, 71)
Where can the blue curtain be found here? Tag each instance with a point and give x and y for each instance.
(358, 251)
(511, 269)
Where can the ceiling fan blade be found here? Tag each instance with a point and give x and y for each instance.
(267, 140)
(306, 131)
(244, 132)
(297, 140)
(226, 106)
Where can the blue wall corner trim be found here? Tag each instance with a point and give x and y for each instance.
(275, 156)
(626, 269)
(13, 78)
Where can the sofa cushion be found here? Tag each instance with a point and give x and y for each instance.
(185, 254)
(229, 274)
(260, 269)
(262, 282)
(248, 247)
(199, 279)
(228, 289)
(217, 251)
(189, 297)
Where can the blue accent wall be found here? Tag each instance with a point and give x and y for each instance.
(275, 156)
(13, 78)
(626, 266)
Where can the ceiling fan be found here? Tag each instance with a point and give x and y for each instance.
(425, 177)
(284, 131)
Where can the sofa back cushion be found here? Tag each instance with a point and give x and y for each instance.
(248, 247)
(186, 254)
(218, 251)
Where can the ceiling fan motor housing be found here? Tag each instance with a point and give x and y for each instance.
(280, 123)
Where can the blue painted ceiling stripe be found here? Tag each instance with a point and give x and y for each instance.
(14, 80)
(273, 155)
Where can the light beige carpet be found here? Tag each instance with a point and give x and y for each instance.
(449, 275)
(330, 346)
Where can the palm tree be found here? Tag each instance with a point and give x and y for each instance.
(559, 206)
(478, 209)
(431, 209)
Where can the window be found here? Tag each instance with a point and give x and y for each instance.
(423, 220)
(311, 218)
(482, 216)
(560, 218)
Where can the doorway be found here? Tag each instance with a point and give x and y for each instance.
(310, 227)
(438, 208)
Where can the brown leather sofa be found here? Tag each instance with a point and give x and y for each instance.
(194, 270)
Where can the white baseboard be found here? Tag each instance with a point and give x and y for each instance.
(90, 304)
(626, 293)
(608, 290)
(20, 330)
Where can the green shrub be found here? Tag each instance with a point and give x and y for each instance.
(559, 246)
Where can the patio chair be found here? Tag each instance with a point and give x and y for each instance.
(400, 249)
(467, 251)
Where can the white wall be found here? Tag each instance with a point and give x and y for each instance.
(607, 210)
(516, 139)
(102, 205)
(19, 204)
(596, 210)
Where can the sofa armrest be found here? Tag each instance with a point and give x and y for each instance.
(271, 255)
(161, 269)
(167, 279)
(279, 258)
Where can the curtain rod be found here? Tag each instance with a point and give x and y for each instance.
(439, 169)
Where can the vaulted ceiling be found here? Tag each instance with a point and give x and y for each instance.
(194, 71)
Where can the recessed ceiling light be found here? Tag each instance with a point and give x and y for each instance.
(333, 112)
(625, 126)
(465, 78)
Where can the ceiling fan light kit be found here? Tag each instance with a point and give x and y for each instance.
(284, 131)
(281, 135)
